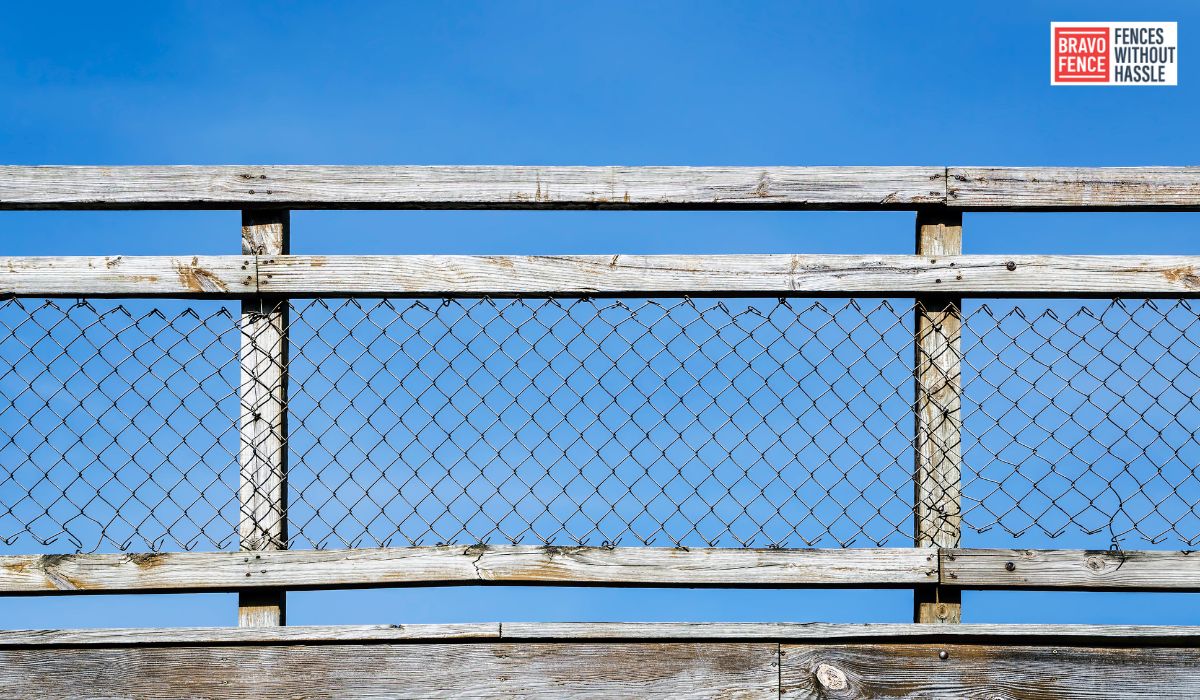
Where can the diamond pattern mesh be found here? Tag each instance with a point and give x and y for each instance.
(1083, 418)
(744, 422)
(676, 422)
(115, 428)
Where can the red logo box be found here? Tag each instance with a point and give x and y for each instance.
(1081, 54)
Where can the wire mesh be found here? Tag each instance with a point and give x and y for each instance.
(1082, 418)
(740, 422)
(115, 428)
(676, 422)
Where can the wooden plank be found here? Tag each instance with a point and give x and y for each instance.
(150, 636)
(262, 489)
(120, 275)
(632, 566)
(608, 275)
(478, 564)
(1074, 188)
(937, 272)
(981, 671)
(831, 632)
(747, 671)
(707, 567)
(468, 187)
(1071, 569)
(604, 187)
(938, 415)
(812, 632)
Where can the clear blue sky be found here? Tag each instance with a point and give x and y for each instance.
(696, 83)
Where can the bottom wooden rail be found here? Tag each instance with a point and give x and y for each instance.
(58, 574)
(618, 660)
(467, 565)
(1071, 569)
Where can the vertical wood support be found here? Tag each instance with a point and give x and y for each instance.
(938, 395)
(262, 490)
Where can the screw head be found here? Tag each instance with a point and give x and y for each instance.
(1010, 266)
(1009, 566)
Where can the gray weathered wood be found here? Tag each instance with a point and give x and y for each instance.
(743, 660)
(520, 564)
(830, 632)
(831, 672)
(263, 458)
(135, 276)
(823, 632)
(633, 275)
(1074, 188)
(934, 272)
(1071, 569)
(747, 671)
(604, 187)
(651, 187)
(634, 566)
(467, 187)
(151, 636)
(938, 415)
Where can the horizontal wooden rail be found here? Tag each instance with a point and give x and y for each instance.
(605, 275)
(890, 567)
(748, 661)
(458, 565)
(1101, 189)
(467, 187)
(190, 276)
(1071, 569)
(606, 187)
(565, 631)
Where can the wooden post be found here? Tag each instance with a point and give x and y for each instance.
(262, 490)
(938, 439)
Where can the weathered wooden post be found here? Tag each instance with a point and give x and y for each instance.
(262, 491)
(938, 438)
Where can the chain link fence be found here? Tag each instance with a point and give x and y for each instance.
(738, 422)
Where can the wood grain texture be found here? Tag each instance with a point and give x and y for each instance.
(875, 632)
(608, 275)
(1145, 188)
(833, 672)
(468, 187)
(632, 566)
(937, 441)
(263, 421)
(603, 187)
(814, 632)
(150, 636)
(745, 671)
(867, 275)
(210, 276)
(606, 660)
(262, 607)
(449, 565)
(1071, 569)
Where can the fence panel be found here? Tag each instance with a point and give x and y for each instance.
(666, 422)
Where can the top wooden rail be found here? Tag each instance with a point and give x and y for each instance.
(608, 187)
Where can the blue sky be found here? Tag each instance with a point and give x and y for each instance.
(698, 83)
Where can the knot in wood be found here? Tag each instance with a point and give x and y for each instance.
(831, 677)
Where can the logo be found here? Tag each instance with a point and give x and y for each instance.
(1114, 53)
